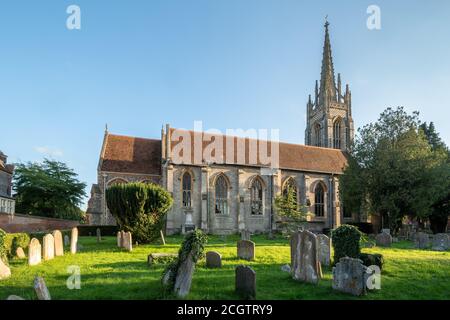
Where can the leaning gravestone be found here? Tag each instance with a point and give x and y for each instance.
(41, 289)
(305, 259)
(49, 247)
(34, 252)
(99, 235)
(246, 250)
(20, 253)
(422, 240)
(14, 297)
(324, 249)
(5, 271)
(245, 235)
(59, 247)
(383, 239)
(245, 282)
(441, 242)
(73, 241)
(185, 273)
(350, 276)
(213, 259)
(127, 241)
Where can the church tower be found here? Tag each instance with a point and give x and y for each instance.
(329, 122)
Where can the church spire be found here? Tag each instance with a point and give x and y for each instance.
(327, 81)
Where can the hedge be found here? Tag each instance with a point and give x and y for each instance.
(2, 245)
(345, 240)
(14, 241)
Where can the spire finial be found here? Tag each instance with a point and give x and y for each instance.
(326, 22)
(106, 128)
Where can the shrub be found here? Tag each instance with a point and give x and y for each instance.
(14, 241)
(139, 208)
(2, 245)
(345, 241)
(372, 259)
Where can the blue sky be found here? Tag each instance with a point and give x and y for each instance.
(230, 63)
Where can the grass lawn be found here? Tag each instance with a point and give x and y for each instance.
(108, 272)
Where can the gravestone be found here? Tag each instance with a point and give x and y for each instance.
(213, 259)
(245, 282)
(66, 240)
(20, 253)
(183, 280)
(387, 231)
(41, 289)
(422, 240)
(73, 241)
(49, 247)
(441, 242)
(59, 247)
(246, 250)
(245, 235)
(127, 241)
(324, 249)
(286, 268)
(120, 239)
(34, 252)
(5, 271)
(14, 297)
(152, 257)
(305, 259)
(350, 276)
(383, 239)
(99, 235)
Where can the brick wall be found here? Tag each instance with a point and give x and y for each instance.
(24, 223)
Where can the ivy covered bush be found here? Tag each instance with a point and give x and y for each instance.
(345, 240)
(15, 240)
(372, 259)
(2, 245)
(139, 208)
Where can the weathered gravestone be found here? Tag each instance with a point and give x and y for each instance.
(127, 241)
(99, 235)
(441, 242)
(5, 271)
(213, 259)
(305, 259)
(245, 282)
(73, 240)
(387, 231)
(49, 247)
(422, 240)
(41, 289)
(185, 272)
(14, 297)
(286, 268)
(66, 240)
(59, 247)
(245, 235)
(34, 252)
(324, 249)
(383, 239)
(20, 253)
(120, 239)
(246, 250)
(350, 276)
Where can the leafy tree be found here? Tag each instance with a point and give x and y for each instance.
(139, 208)
(287, 208)
(393, 170)
(49, 189)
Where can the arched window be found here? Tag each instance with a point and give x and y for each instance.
(290, 184)
(116, 182)
(221, 199)
(187, 190)
(337, 134)
(317, 135)
(319, 204)
(257, 197)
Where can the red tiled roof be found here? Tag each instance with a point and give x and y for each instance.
(131, 155)
(291, 156)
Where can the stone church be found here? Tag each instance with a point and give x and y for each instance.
(230, 190)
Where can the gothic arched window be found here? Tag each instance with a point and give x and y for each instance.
(221, 199)
(319, 205)
(187, 190)
(257, 197)
(337, 134)
(317, 135)
(290, 184)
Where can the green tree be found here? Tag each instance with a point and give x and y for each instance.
(292, 214)
(393, 170)
(49, 189)
(139, 208)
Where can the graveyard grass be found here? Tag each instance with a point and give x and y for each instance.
(108, 272)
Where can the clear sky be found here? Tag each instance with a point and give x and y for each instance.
(230, 63)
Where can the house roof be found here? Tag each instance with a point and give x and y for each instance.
(291, 156)
(131, 155)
